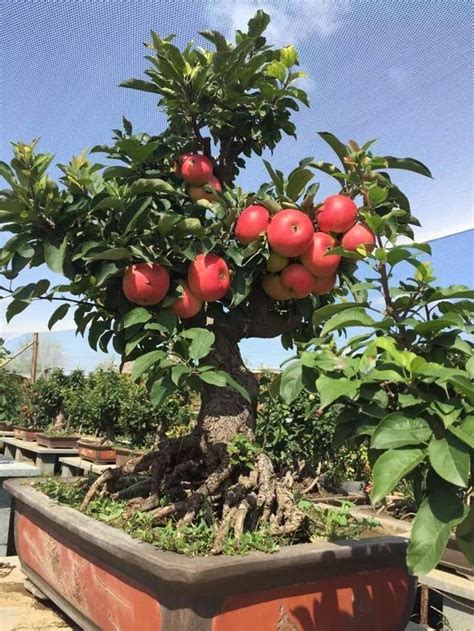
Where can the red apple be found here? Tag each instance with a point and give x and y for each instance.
(146, 283)
(276, 262)
(324, 285)
(316, 259)
(196, 169)
(337, 214)
(187, 305)
(359, 234)
(252, 222)
(197, 192)
(208, 277)
(297, 280)
(290, 232)
(272, 286)
(179, 162)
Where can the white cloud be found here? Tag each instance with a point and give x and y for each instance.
(292, 21)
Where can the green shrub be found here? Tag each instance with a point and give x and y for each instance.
(11, 397)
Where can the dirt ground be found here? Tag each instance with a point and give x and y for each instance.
(19, 610)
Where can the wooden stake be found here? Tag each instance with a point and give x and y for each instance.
(34, 358)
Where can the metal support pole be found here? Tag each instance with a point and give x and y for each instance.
(34, 358)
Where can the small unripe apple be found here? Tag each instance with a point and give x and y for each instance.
(324, 285)
(187, 305)
(297, 280)
(197, 192)
(276, 262)
(272, 286)
(337, 214)
(196, 169)
(252, 222)
(146, 283)
(359, 234)
(208, 277)
(316, 259)
(290, 232)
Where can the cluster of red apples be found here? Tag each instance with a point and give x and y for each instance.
(299, 262)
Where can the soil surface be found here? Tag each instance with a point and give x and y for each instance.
(20, 610)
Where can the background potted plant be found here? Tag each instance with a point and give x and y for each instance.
(172, 263)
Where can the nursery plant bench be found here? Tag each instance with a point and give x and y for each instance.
(73, 466)
(46, 459)
(4, 434)
(10, 469)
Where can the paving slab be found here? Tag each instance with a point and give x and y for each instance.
(74, 465)
(45, 458)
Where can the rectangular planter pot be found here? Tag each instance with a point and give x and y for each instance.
(4, 426)
(105, 580)
(124, 455)
(452, 557)
(100, 454)
(57, 442)
(25, 433)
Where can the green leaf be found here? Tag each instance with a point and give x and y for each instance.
(391, 467)
(58, 314)
(113, 254)
(336, 145)
(276, 179)
(323, 313)
(237, 387)
(214, 378)
(146, 361)
(201, 342)
(139, 315)
(399, 430)
(258, 23)
(14, 308)
(139, 84)
(297, 181)
(453, 291)
(438, 513)
(408, 164)
(288, 56)
(451, 460)
(276, 69)
(350, 317)
(464, 431)
(465, 535)
(135, 210)
(377, 195)
(463, 385)
(54, 254)
(148, 186)
(332, 388)
(161, 389)
(291, 382)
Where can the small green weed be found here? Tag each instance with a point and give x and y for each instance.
(335, 523)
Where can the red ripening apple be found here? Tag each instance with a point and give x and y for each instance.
(252, 222)
(146, 283)
(187, 305)
(297, 280)
(359, 234)
(208, 277)
(290, 232)
(196, 169)
(337, 214)
(316, 259)
(324, 285)
(179, 162)
(272, 286)
(197, 192)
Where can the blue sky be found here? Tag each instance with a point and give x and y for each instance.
(397, 71)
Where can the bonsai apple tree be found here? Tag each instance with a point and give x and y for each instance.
(169, 261)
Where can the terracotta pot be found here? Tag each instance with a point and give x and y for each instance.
(4, 426)
(94, 452)
(104, 579)
(57, 442)
(124, 455)
(26, 433)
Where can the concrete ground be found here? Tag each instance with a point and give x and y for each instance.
(21, 611)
